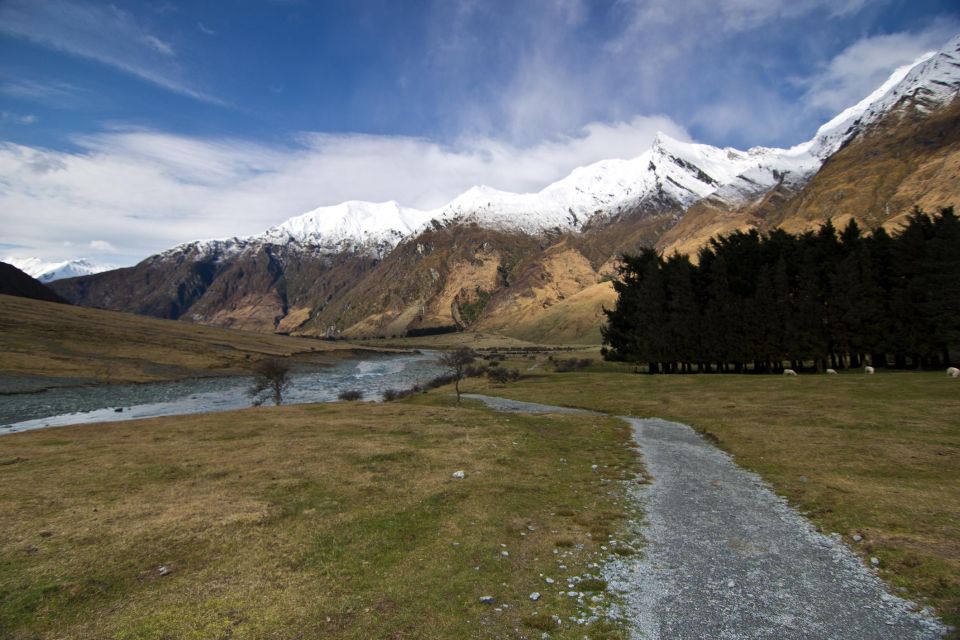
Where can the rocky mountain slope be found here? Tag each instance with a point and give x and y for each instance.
(14, 282)
(535, 265)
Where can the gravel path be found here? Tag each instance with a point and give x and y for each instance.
(728, 559)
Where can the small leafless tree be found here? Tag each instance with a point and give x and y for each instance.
(457, 362)
(272, 376)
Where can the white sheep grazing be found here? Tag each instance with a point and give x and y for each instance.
(832, 372)
(789, 372)
(953, 372)
(868, 370)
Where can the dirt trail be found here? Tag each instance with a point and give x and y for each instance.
(726, 558)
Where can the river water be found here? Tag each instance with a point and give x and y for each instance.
(107, 403)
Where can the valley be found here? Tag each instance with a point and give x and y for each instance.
(534, 265)
(627, 384)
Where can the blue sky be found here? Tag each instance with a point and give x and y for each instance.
(127, 127)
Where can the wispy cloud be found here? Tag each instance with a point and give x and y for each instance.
(571, 61)
(158, 45)
(17, 118)
(99, 32)
(102, 246)
(865, 64)
(53, 93)
(142, 191)
(205, 29)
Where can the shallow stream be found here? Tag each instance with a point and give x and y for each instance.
(106, 403)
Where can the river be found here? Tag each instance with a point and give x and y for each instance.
(107, 403)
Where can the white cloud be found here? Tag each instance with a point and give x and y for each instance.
(159, 45)
(17, 118)
(690, 20)
(867, 63)
(99, 32)
(135, 192)
(102, 246)
(54, 92)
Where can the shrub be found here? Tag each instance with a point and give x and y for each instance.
(350, 395)
(474, 371)
(441, 380)
(498, 375)
(571, 364)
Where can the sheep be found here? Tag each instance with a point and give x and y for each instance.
(832, 372)
(953, 372)
(868, 370)
(789, 372)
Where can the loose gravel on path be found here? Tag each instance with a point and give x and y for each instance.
(728, 559)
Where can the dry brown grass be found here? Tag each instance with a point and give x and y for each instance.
(55, 340)
(326, 521)
(875, 455)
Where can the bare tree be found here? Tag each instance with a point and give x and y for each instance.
(457, 362)
(272, 376)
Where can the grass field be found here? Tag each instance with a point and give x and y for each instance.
(340, 521)
(324, 521)
(47, 340)
(877, 456)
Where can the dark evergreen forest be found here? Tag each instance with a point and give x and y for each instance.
(820, 299)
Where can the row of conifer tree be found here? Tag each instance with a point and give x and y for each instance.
(762, 302)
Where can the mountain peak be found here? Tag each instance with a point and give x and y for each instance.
(50, 271)
(929, 82)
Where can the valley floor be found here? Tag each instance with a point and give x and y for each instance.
(344, 521)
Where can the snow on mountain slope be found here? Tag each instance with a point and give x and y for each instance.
(350, 224)
(50, 271)
(672, 174)
(929, 82)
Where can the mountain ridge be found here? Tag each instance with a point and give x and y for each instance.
(367, 269)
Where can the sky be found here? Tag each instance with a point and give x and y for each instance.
(129, 127)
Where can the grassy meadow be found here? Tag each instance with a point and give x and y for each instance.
(343, 520)
(325, 521)
(877, 456)
(61, 342)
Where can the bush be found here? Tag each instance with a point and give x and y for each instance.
(571, 364)
(498, 375)
(441, 380)
(474, 371)
(399, 394)
(350, 395)
(501, 375)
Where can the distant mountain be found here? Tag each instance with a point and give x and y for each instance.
(14, 282)
(535, 264)
(50, 271)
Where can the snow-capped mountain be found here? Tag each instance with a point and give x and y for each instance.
(672, 174)
(50, 271)
(365, 269)
(350, 226)
(927, 84)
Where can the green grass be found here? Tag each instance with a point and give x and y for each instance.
(327, 521)
(875, 455)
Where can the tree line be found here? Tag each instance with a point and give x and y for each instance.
(824, 298)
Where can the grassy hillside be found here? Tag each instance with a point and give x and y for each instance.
(47, 340)
(327, 521)
(877, 456)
